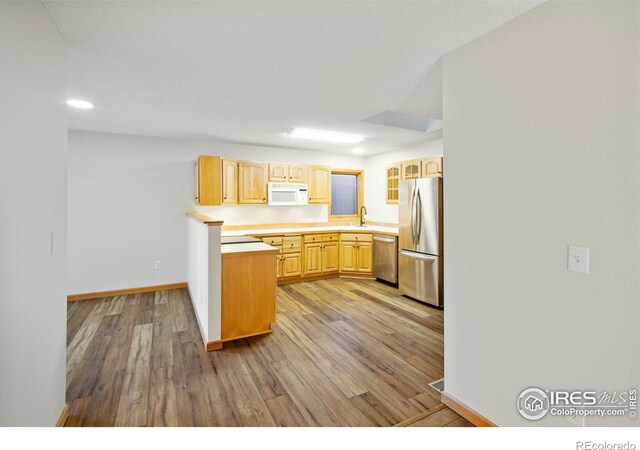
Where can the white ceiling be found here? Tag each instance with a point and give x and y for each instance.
(250, 72)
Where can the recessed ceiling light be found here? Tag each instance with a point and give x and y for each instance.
(326, 136)
(80, 104)
(357, 150)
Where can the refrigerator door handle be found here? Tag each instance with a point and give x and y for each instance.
(413, 214)
(420, 256)
(418, 216)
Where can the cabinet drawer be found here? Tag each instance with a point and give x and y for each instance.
(276, 240)
(360, 237)
(312, 238)
(291, 244)
(335, 237)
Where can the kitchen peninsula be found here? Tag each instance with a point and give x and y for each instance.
(232, 286)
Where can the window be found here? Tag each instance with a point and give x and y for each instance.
(346, 192)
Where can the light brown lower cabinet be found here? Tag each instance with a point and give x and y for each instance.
(356, 253)
(330, 257)
(291, 265)
(248, 294)
(313, 254)
(312, 258)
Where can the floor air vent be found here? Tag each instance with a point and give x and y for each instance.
(438, 385)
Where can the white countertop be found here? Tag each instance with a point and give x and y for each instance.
(246, 247)
(292, 230)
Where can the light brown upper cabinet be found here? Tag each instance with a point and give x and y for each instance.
(432, 167)
(298, 173)
(411, 169)
(283, 173)
(393, 182)
(229, 181)
(279, 172)
(216, 181)
(319, 184)
(252, 182)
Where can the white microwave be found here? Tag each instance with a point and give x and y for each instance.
(288, 194)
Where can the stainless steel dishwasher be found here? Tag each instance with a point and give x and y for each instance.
(385, 258)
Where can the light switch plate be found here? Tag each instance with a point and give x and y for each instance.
(578, 259)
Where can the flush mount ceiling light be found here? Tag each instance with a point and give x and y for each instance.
(357, 150)
(80, 104)
(327, 136)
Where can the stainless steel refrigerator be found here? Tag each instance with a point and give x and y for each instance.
(420, 245)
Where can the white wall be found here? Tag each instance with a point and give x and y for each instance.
(33, 204)
(541, 144)
(128, 196)
(376, 179)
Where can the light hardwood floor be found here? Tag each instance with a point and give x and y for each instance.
(344, 352)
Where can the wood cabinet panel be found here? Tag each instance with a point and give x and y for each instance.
(312, 259)
(393, 182)
(208, 181)
(248, 294)
(292, 244)
(348, 256)
(312, 238)
(359, 237)
(330, 257)
(291, 265)
(272, 240)
(279, 172)
(279, 265)
(365, 257)
(297, 173)
(229, 181)
(252, 182)
(319, 184)
(432, 167)
(411, 170)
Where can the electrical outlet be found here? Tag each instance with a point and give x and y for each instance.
(578, 259)
(158, 265)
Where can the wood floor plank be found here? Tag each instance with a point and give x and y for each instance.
(81, 341)
(246, 402)
(303, 396)
(87, 374)
(285, 413)
(178, 315)
(438, 419)
(327, 391)
(163, 400)
(118, 355)
(339, 376)
(76, 315)
(397, 405)
(161, 297)
(261, 373)
(116, 305)
(162, 346)
(134, 401)
(103, 405)
(373, 409)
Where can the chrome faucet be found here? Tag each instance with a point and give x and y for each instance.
(362, 215)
